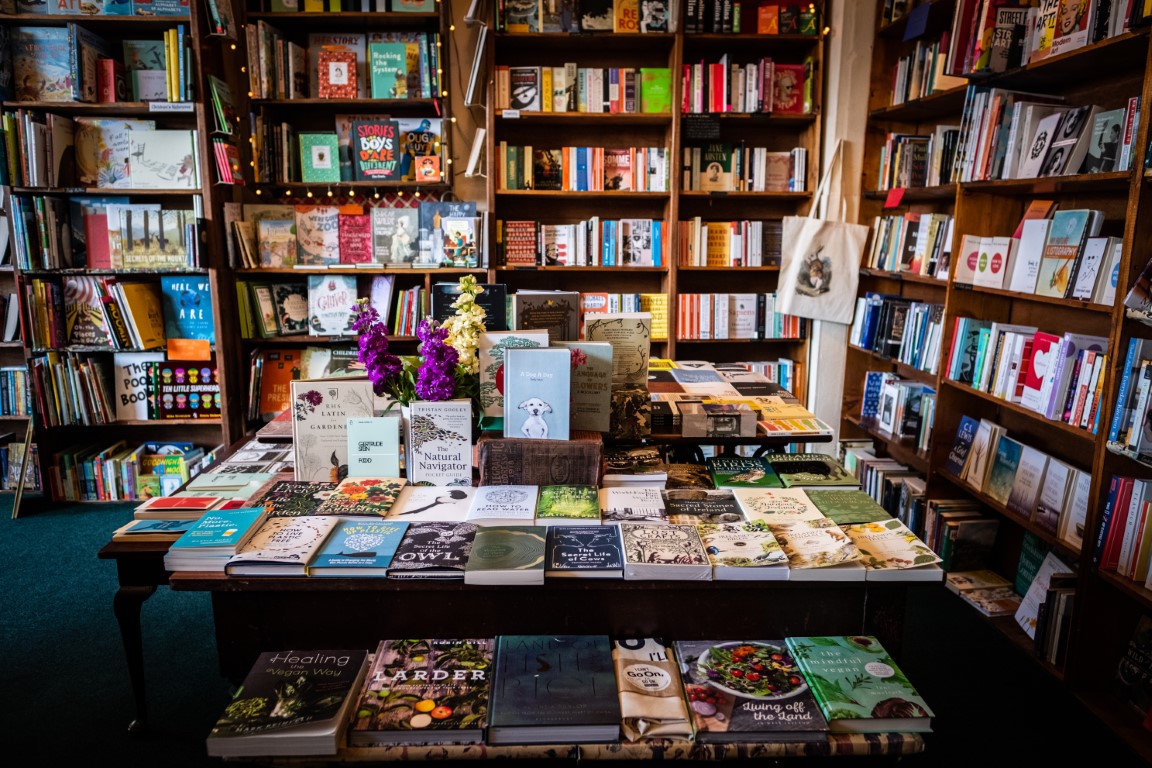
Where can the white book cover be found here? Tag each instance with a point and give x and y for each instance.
(591, 384)
(970, 248)
(1072, 523)
(1141, 494)
(331, 301)
(430, 503)
(776, 505)
(1029, 609)
(664, 551)
(1026, 265)
(439, 443)
(504, 505)
(1036, 149)
(1109, 277)
(992, 261)
(644, 504)
(1095, 251)
(816, 544)
(317, 235)
(162, 159)
(890, 551)
(283, 545)
(1027, 483)
(630, 334)
(1056, 383)
(320, 412)
(491, 349)
(1053, 496)
(130, 373)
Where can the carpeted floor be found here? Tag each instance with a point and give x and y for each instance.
(68, 699)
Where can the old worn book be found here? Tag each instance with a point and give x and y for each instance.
(664, 551)
(553, 689)
(292, 702)
(584, 551)
(433, 550)
(523, 461)
(880, 697)
(748, 691)
(507, 554)
(283, 546)
(451, 675)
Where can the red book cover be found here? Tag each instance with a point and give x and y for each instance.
(111, 81)
(1111, 556)
(355, 238)
(788, 88)
(1044, 350)
(96, 239)
(337, 74)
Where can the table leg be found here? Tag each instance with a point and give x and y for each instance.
(126, 605)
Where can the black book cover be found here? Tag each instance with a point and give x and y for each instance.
(433, 550)
(584, 550)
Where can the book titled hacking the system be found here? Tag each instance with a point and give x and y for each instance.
(553, 689)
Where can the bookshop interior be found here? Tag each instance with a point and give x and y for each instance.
(686, 380)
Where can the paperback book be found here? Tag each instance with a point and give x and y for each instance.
(742, 472)
(584, 551)
(358, 547)
(283, 546)
(371, 496)
(743, 552)
(432, 503)
(507, 554)
(433, 550)
(664, 551)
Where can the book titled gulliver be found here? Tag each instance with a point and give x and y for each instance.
(293, 702)
(425, 691)
(553, 689)
(433, 550)
(748, 691)
(859, 688)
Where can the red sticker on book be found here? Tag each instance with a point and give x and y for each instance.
(895, 195)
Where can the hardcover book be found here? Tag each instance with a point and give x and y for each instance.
(162, 159)
(317, 235)
(816, 545)
(553, 689)
(845, 507)
(439, 443)
(452, 674)
(433, 550)
(582, 551)
(294, 702)
(320, 412)
(358, 547)
(859, 687)
(892, 552)
(373, 496)
(630, 334)
(743, 551)
(187, 306)
(395, 233)
(748, 691)
(282, 547)
(808, 470)
(568, 505)
(504, 505)
(432, 503)
(537, 383)
(652, 702)
(664, 551)
(493, 345)
(337, 75)
(557, 312)
(507, 554)
(591, 384)
(742, 472)
(331, 299)
(292, 498)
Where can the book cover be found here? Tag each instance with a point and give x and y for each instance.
(395, 233)
(355, 234)
(375, 149)
(317, 235)
(537, 382)
(553, 689)
(358, 547)
(420, 140)
(557, 312)
(1134, 670)
(433, 550)
(40, 63)
(748, 691)
(1002, 473)
(507, 554)
(152, 530)
(652, 701)
(742, 472)
(331, 303)
(162, 159)
(319, 157)
(276, 241)
(965, 581)
(573, 504)
(372, 496)
(406, 676)
(859, 687)
(655, 90)
(846, 507)
(808, 470)
(337, 74)
(716, 168)
(425, 503)
(664, 551)
(743, 551)
(290, 304)
(692, 506)
(439, 442)
(640, 504)
(187, 303)
(1066, 237)
(814, 544)
(892, 552)
(292, 702)
(461, 236)
(388, 70)
(584, 551)
(220, 530)
(283, 546)
(504, 505)
(993, 601)
(145, 313)
(292, 498)
(773, 506)
(320, 411)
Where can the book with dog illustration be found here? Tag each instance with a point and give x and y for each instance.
(537, 385)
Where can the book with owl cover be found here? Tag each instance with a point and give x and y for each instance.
(292, 498)
(187, 304)
(283, 546)
(433, 550)
(742, 472)
(359, 546)
(371, 496)
(320, 412)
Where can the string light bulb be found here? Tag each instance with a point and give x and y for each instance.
(233, 46)
(309, 193)
(259, 192)
(329, 191)
(376, 194)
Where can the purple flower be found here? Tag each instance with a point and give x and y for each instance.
(382, 367)
(437, 380)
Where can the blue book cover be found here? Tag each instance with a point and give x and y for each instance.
(958, 455)
(187, 307)
(584, 551)
(40, 63)
(228, 528)
(537, 389)
(359, 547)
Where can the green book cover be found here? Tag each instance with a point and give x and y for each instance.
(655, 89)
(568, 504)
(742, 472)
(809, 469)
(319, 157)
(859, 687)
(507, 548)
(846, 507)
(388, 67)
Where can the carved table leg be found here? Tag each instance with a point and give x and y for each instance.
(126, 605)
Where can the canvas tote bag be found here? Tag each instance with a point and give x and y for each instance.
(820, 260)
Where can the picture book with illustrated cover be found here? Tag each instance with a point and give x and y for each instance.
(373, 496)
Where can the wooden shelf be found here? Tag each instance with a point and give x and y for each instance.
(770, 117)
(1080, 66)
(1076, 305)
(305, 339)
(113, 109)
(385, 105)
(916, 194)
(906, 277)
(904, 370)
(612, 118)
(1121, 717)
(930, 107)
(105, 191)
(939, 12)
(900, 448)
(728, 269)
(112, 272)
(1133, 589)
(304, 186)
(97, 19)
(1115, 181)
(567, 269)
(1116, 450)
(346, 20)
(776, 340)
(1082, 435)
(612, 194)
(694, 194)
(350, 270)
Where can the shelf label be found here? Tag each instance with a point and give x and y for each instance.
(895, 195)
(510, 114)
(701, 127)
(171, 106)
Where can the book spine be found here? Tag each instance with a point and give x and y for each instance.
(1118, 418)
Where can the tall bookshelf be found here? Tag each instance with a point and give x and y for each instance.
(1106, 606)
(679, 200)
(180, 111)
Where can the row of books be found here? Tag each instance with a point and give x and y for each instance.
(593, 242)
(431, 234)
(318, 305)
(907, 331)
(1015, 362)
(72, 63)
(1027, 482)
(921, 72)
(104, 8)
(722, 167)
(15, 394)
(1131, 429)
(619, 16)
(759, 86)
(487, 674)
(119, 471)
(961, 531)
(1124, 542)
(44, 149)
(583, 169)
(350, 6)
(707, 316)
(888, 482)
(763, 18)
(271, 370)
(914, 242)
(343, 65)
(741, 243)
(14, 461)
(898, 407)
(571, 88)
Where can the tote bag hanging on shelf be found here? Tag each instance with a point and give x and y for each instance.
(820, 261)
